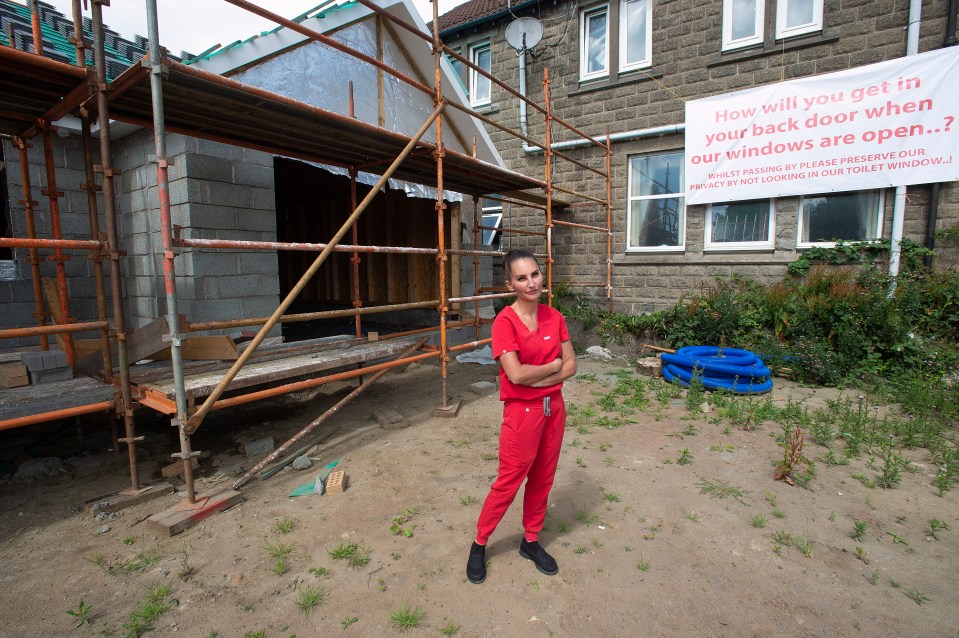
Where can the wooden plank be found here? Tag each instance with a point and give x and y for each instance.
(51, 297)
(207, 348)
(141, 343)
(182, 516)
(84, 347)
(60, 395)
(255, 373)
(122, 500)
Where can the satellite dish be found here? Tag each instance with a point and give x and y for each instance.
(524, 33)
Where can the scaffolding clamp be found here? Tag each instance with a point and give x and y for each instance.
(128, 440)
(185, 456)
(164, 162)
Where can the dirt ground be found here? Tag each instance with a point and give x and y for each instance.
(642, 550)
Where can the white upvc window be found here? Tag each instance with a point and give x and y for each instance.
(797, 17)
(594, 43)
(825, 219)
(656, 206)
(492, 211)
(745, 225)
(480, 85)
(743, 22)
(635, 34)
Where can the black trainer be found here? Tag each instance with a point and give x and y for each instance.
(476, 565)
(532, 550)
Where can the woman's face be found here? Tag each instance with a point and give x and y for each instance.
(525, 279)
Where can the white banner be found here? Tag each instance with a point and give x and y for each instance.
(888, 124)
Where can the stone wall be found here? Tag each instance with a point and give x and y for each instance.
(688, 63)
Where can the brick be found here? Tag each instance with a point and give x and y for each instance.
(51, 376)
(207, 167)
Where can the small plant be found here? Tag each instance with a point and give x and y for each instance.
(346, 622)
(721, 490)
(832, 517)
(245, 605)
(317, 571)
(792, 457)
(770, 499)
(129, 540)
(759, 520)
(489, 456)
(469, 499)
(611, 496)
(871, 483)
(80, 615)
(308, 598)
(277, 551)
(690, 430)
(579, 550)
(691, 516)
(284, 525)
(916, 595)
(399, 523)
(936, 526)
(779, 513)
(804, 545)
(147, 611)
(279, 566)
(685, 457)
(381, 584)
(586, 518)
(353, 554)
(597, 543)
(407, 617)
(858, 530)
(259, 633)
(642, 564)
(608, 461)
(896, 538)
(873, 577)
(861, 555)
(562, 527)
(894, 583)
(396, 556)
(603, 447)
(186, 570)
(449, 629)
(580, 462)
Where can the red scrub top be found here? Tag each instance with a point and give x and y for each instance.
(537, 347)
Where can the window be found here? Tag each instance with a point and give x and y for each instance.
(492, 218)
(656, 211)
(479, 84)
(744, 20)
(742, 23)
(594, 48)
(824, 219)
(796, 17)
(635, 35)
(740, 225)
(630, 43)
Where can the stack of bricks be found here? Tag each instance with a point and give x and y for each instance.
(47, 366)
(13, 375)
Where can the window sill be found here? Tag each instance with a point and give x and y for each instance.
(773, 47)
(485, 109)
(624, 79)
(738, 249)
(655, 250)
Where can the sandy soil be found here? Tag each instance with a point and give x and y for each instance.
(620, 503)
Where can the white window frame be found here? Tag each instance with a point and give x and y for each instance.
(728, 42)
(630, 199)
(474, 50)
(493, 210)
(782, 32)
(768, 244)
(584, 18)
(647, 59)
(880, 206)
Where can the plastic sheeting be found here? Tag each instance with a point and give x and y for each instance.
(319, 75)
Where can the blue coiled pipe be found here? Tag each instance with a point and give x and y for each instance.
(739, 371)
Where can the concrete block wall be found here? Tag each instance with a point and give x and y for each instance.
(17, 303)
(688, 63)
(216, 192)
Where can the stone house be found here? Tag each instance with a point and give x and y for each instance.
(628, 67)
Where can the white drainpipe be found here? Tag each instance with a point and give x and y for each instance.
(522, 91)
(899, 206)
(625, 136)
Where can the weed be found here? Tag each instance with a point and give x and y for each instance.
(186, 570)
(869, 503)
(596, 543)
(792, 456)
(318, 571)
(148, 610)
(873, 577)
(804, 545)
(562, 527)
(396, 556)
(449, 629)
(407, 617)
(490, 456)
(832, 460)
(346, 622)
(579, 550)
(586, 518)
(916, 595)
(777, 549)
(129, 540)
(610, 496)
(353, 554)
(642, 564)
(308, 598)
(278, 551)
(894, 584)
(80, 615)
(605, 446)
(685, 457)
(721, 490)
(279, 566)
(608, 461)
(627, 549)
(861, 555)
(936, 526)
(245, 605)
(692, 516)
(871, 483)
(896, 538)
(759, 520)
(381, 584)
(213, 634)
(580, 462)
(892, 465)
(284, 525)
(783, 538)
(858, 530)
(259, 633)
(778, 513)
(690, 430)
(769, 498)
(831, 517)
(100, 562)
(469, 499)
(399, 523)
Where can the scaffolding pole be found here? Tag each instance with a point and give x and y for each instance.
(40, 314)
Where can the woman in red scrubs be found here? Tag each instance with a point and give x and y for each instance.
(532, 344)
